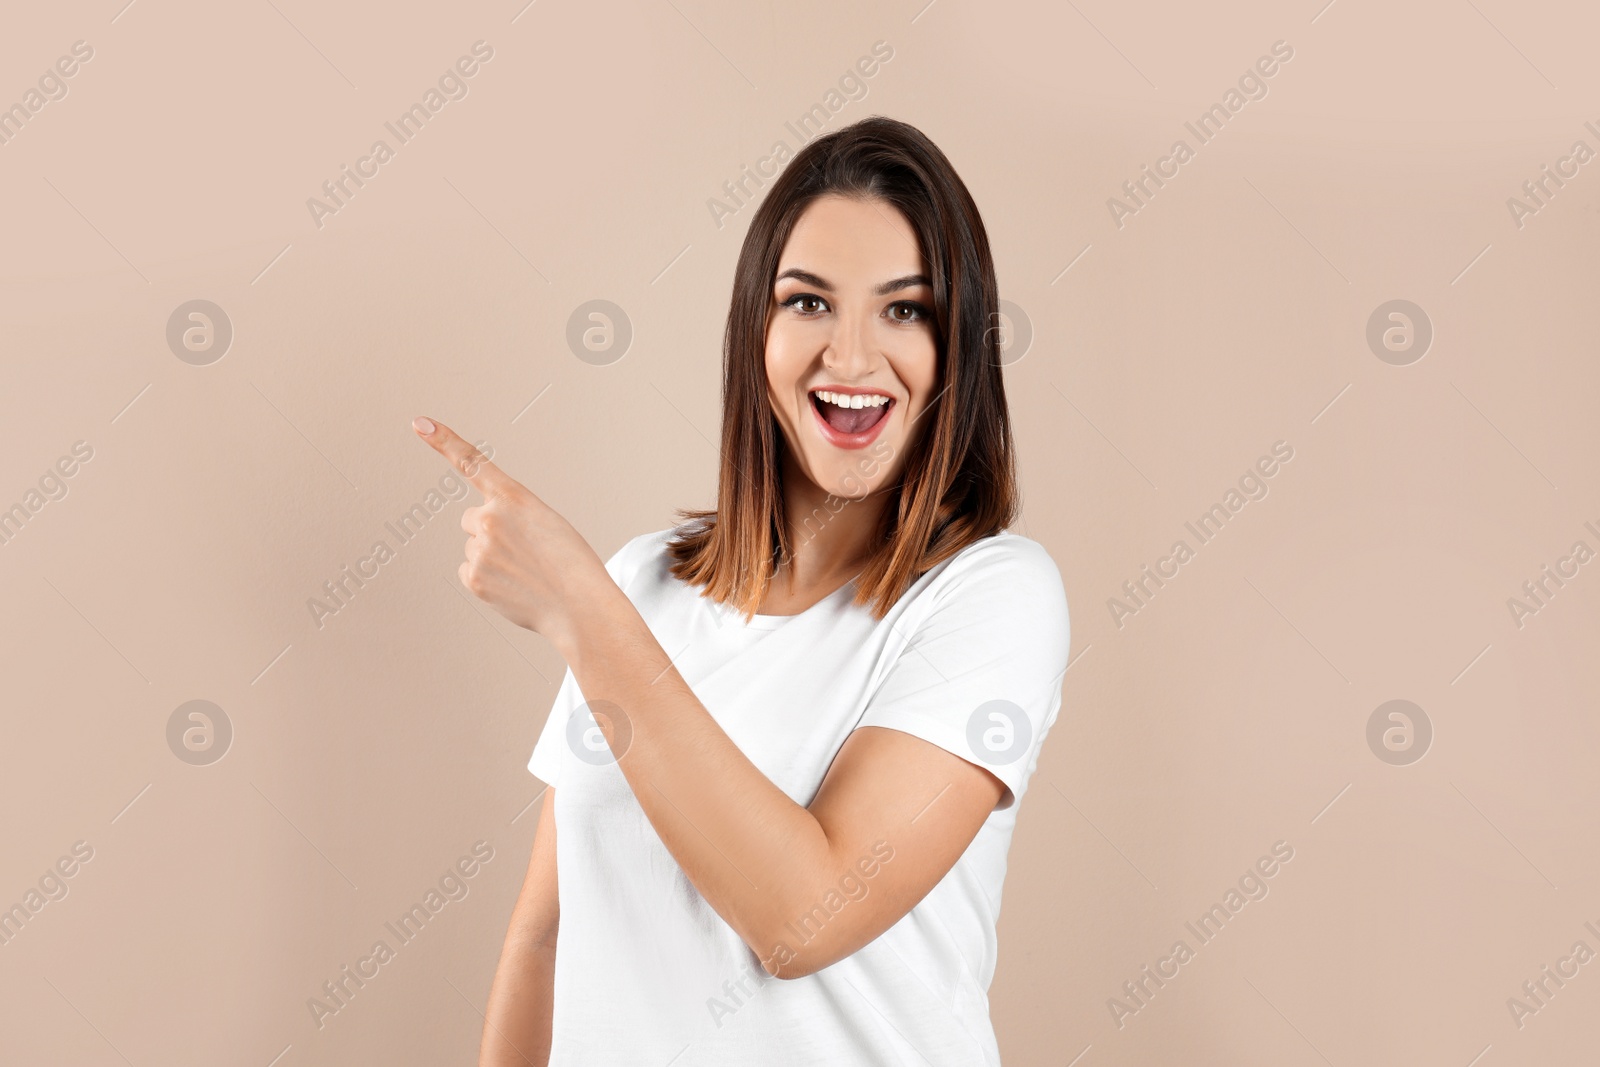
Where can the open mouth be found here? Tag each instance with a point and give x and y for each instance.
(851, 414)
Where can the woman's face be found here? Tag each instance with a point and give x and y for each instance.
(852, 358)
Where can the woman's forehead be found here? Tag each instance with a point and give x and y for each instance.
(847, 241)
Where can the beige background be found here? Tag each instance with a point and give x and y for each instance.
(1229, 313)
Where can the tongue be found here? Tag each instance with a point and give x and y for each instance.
(851, 420)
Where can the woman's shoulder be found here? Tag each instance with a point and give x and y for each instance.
(1004, 556)
(1003, 572)
(637, 553)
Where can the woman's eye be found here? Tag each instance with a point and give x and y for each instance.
(903, 312)
(806, 303)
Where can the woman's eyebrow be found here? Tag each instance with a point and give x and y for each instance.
(804, 276)
(908, 282)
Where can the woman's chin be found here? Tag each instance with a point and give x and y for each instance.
(842, 473)
(848, 484)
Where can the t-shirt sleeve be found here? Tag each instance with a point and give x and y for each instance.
(979, 672)
(545, 762)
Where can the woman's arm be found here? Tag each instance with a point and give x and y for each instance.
(516, 1030)
(764, 862)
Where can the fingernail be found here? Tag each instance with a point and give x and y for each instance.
(422, 425)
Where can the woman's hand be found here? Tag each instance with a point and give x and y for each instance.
(523, 559)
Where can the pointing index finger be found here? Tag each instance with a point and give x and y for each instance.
(474, 466)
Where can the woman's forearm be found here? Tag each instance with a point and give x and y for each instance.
(516, 1030)
(755, 855)
(517, 1020)
(750, 850)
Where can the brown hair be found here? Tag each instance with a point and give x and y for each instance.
(959, 481)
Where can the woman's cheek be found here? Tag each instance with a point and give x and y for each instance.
(781, 377)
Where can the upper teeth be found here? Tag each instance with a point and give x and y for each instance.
(858, 400)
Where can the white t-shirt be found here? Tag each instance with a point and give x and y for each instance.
(970, 658)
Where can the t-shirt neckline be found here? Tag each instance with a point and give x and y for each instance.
(773, 622)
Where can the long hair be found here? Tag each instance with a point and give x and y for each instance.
(959, 480)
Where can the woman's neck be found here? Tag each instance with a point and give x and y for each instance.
(830, 537)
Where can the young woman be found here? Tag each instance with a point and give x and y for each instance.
(785, 760)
